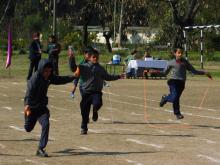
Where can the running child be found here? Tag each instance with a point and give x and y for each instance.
(36, 101)
(93, 75)
(178, 67)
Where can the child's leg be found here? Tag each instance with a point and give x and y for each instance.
(97, 104)
(173, 92)
(30, 121)
(45, 124)
(85, 105)
(176, 106)
(97, 101)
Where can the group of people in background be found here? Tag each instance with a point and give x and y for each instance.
(36, 50)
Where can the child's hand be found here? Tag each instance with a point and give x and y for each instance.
(208, 75)
(27, 110)
(77, 72)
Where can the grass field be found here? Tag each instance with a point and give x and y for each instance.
(131, 130)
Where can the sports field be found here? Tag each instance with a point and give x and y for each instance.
(126, 132)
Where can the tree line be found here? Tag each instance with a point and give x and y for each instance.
(169, 16)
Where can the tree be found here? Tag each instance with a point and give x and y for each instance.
(184, 13)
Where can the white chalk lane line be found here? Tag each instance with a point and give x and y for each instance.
(157, 146)
(211, 159)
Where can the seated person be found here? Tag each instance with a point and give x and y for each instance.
(131, 57)
(147, 56)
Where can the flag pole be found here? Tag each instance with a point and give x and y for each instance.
(9, 51)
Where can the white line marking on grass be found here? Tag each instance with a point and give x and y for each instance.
(110, 93)
(111, 108)
(95, 131)
(58, 108)
(51, 119)
(17, 128)
(209, 141)
(214, 129)
(104, 119)
(15, 83)
(1, 86)
(85, 148)
(4, 95)
(133, 162)
(59, 90)
(34, 162)
(147, 144)
(141, 98)
(2, 146)
(137, 114)
(8, 108)
(209, 158)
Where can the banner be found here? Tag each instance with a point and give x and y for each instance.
(9, 52)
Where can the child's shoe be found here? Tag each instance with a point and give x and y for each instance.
(163, 101)
(41, 153)
(179, 116)
(72, 95)
(83, 132)
(95, 116)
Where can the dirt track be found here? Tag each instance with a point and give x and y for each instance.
(121, 135)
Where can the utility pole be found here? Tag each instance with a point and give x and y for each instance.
(54, 18)
(120, 24)
(115, 21)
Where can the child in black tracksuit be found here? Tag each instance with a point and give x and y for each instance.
(36, 101)
(178, 67)
(93, 75)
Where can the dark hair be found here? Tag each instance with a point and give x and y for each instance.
(36, 34)
(95, 52)
(53, 37)
(48, 65)
(88, 49)
(176, 49)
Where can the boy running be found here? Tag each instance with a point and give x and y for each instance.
(36, 101)
(93, 75)
(178, 67)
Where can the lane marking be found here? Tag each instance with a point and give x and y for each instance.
(56, 90)
(58, 108)
(51, 119)
(136, 114)
(209, 158)
(104, 119)
(8, 108)
(15, 83)
(2, 146)
(214, 129)
(141, 98)
(35, 162)
(190, 114)
(1, 86)
(133, 162)
(147, 144)
(85, 148)
(17, 128)
(4, 95)
(209, 141)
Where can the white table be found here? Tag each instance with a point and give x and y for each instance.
(151, 64)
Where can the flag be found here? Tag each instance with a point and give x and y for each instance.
(9, 52)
